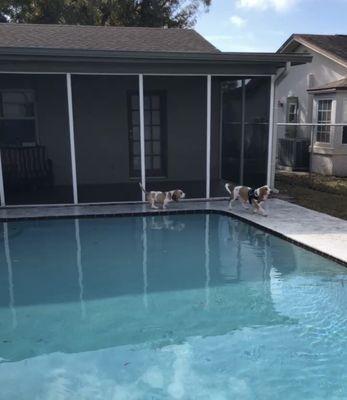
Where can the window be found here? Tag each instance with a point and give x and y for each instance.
(292, 113)
(292, 116)
(17, 118)
(323, 117)
(344, 119)
(344, 135)
(154, 113)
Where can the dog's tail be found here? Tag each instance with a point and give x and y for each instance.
(142, 188)
(229, 188)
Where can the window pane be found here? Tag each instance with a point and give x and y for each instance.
(344, 135)
(135, 102)
(344, 112)
(156, 162)
(147, 132)
(323, 116)
(148, 148)
(156, 117)
(136, 147)
(137, 163)
(155, 102)
(136, 132)
(147, 117)
(156, 132)
(18, 104)
(135, 117)
(148, 162)
(147, 102)
(156, 147)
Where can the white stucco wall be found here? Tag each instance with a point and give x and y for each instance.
(295, 83)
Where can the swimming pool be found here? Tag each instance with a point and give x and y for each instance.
(188, 306)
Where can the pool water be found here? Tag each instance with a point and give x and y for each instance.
(167, 307)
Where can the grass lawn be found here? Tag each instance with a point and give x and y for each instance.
(321, 193)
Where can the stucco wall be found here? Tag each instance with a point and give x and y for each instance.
(295, 83)
(101, 126)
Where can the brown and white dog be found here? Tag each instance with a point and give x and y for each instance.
(162, 198)
(248, 196)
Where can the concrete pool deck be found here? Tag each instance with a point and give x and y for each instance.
(320, 232)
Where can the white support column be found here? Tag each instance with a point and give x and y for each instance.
(243, 116)
(142, 135)
(208, 139)
(270, 169)
(72, 138)
(2, 188)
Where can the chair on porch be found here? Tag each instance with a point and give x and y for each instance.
(26, 167)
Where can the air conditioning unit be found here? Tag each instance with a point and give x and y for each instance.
(293, 153)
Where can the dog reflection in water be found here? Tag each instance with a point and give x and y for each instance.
(164, 222)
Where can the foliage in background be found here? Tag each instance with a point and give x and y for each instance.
(153, 13)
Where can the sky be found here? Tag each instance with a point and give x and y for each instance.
(264, 25)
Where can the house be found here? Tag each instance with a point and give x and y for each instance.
(314, 93)
(86, 112)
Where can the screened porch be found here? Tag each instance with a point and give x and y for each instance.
(91, 138)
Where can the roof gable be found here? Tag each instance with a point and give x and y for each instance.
(106, 38)
(331, 46)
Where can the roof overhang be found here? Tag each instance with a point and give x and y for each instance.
(85, 60)
(331, 87)
(322, 91)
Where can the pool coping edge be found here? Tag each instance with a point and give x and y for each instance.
(210, 210)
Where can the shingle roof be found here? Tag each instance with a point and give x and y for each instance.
(341, 84)
(333, 45)
(81, 37)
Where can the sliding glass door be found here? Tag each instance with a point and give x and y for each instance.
(240, 132)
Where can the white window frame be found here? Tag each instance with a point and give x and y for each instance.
(34, 118)
(294, 114)
(332, 118)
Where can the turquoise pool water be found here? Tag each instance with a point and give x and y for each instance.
(177, 307)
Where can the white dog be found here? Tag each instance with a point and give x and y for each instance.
(247, 195)
(162, 198)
